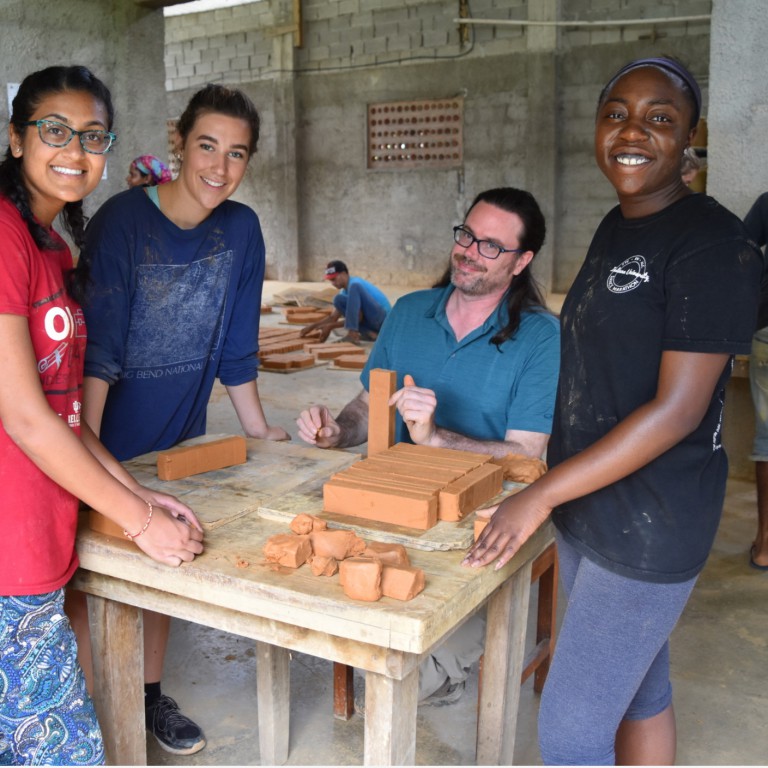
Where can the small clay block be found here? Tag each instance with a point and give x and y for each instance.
(468, 492)
(409, 508)
(306, 318)
(194, 459)
(480, 523)
(323, 566)
(520, 468)
(360, 577)
(389, 554)
(288, 549)
(101, 524)
(338, 544)
(353, 362)
(401, 582)
(266, 309)
(304, 523)
(280, 347)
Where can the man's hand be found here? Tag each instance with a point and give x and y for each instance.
(317, 427)
(417, 407)
(323, 331)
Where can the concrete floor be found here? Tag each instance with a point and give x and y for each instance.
(719, 649)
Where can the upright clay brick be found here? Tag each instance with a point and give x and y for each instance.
(194, 459)
(381, 416)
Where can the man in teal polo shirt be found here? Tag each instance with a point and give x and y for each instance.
(484, 354)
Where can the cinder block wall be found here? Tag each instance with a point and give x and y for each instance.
(530, 96)
(120, 42)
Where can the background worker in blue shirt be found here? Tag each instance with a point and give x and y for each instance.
(359, 306)
(484, 354)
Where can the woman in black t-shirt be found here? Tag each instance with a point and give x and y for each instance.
(666, 296)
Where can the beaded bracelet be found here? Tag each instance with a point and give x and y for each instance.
(132, 536)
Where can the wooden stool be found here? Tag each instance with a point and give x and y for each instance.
(544, 570)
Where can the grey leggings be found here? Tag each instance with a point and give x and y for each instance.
(611, 660)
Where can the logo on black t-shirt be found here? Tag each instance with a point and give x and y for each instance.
(628, 275)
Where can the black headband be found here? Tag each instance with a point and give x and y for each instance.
(668, 65)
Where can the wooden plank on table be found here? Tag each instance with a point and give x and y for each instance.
(381, 416)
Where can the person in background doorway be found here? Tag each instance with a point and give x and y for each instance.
(756, 223)
(690, 166)
(483, 352)
(147, 171)
(359, 306)
(60, 131)
(175, 297)
(667, 295)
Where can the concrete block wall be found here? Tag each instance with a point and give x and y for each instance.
(120, 42)
(395, 226)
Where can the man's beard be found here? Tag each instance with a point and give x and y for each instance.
(477, 285)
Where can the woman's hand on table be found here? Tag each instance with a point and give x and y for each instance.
(511, 524)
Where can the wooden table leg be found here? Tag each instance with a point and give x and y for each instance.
(390, 719)
(343, 691)
(273, 693)
(117, 639)
(502, 669)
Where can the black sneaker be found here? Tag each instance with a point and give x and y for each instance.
(175, 732)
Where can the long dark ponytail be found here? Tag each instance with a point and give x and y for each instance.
(523, 292)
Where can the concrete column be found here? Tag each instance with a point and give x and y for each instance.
(541, 131)
(286, 246)
(737, 115)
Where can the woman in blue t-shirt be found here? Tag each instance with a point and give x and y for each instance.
(174, 275)
(666, 296)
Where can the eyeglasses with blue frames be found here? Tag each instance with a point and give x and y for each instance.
(486, 248)
(56, 134)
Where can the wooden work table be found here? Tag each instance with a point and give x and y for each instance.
(231, 587)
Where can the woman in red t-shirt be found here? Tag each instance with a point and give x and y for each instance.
(59, 134)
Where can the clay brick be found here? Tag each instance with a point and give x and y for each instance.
(333, 351)
(288, 549)
(360, 578)
(407, 508)
(381, 415)
(194, 459)
(364, 475)
(288, 361)
(101, 524)
(353, 362)
(443, 453)
(384, 465)
(468, 492)
(401, 582)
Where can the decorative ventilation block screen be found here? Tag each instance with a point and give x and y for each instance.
(404, 135)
